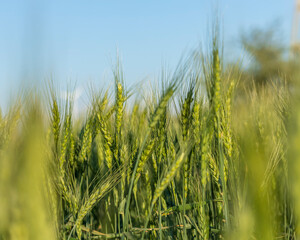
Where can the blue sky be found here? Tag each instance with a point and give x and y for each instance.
(77, 41)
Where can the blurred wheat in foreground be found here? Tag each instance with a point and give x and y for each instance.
(193, 159)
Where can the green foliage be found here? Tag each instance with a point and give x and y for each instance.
(269, 61)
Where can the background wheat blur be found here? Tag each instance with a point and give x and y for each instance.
(203, 156)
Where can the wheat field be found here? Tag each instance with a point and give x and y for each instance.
(195, 158)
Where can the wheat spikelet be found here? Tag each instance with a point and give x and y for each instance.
(225, 169)
(148, 186)
(161, 154)
(123, 154)
(227, 136)
(186, 109)
(119, 106)
(104, 131)
(109, 113)
(100, 150)
(204, 154)
(227, 141)
(144, 157)
(214, 170)
(68, 196)
(63, 150)
(142, 121)
(107, 141)
(168, 177)
(103, 102)
(86, 143)
(216, 81)
(72, 149)
(131, 160)
(161, 107)
(185, 113)
(118, 118)
(173, 188)
(154, 164)
(97, 194)
(108, 156)
(196, 125)
(88, 205)
(55, 119)
(185, 120)
(229, 99)
(134, 114)
(204, 221)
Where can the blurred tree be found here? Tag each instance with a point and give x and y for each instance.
(270, 60)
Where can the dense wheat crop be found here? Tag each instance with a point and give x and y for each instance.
(192, 159)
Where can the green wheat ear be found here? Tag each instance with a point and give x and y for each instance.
(55, 119)
(99, 191)
(161, 107)
(166, 180)
(86, 144)
(107, 139)
(168, 177)
(144, 157)
(216, 78)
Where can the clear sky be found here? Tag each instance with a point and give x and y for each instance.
(79, 40)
